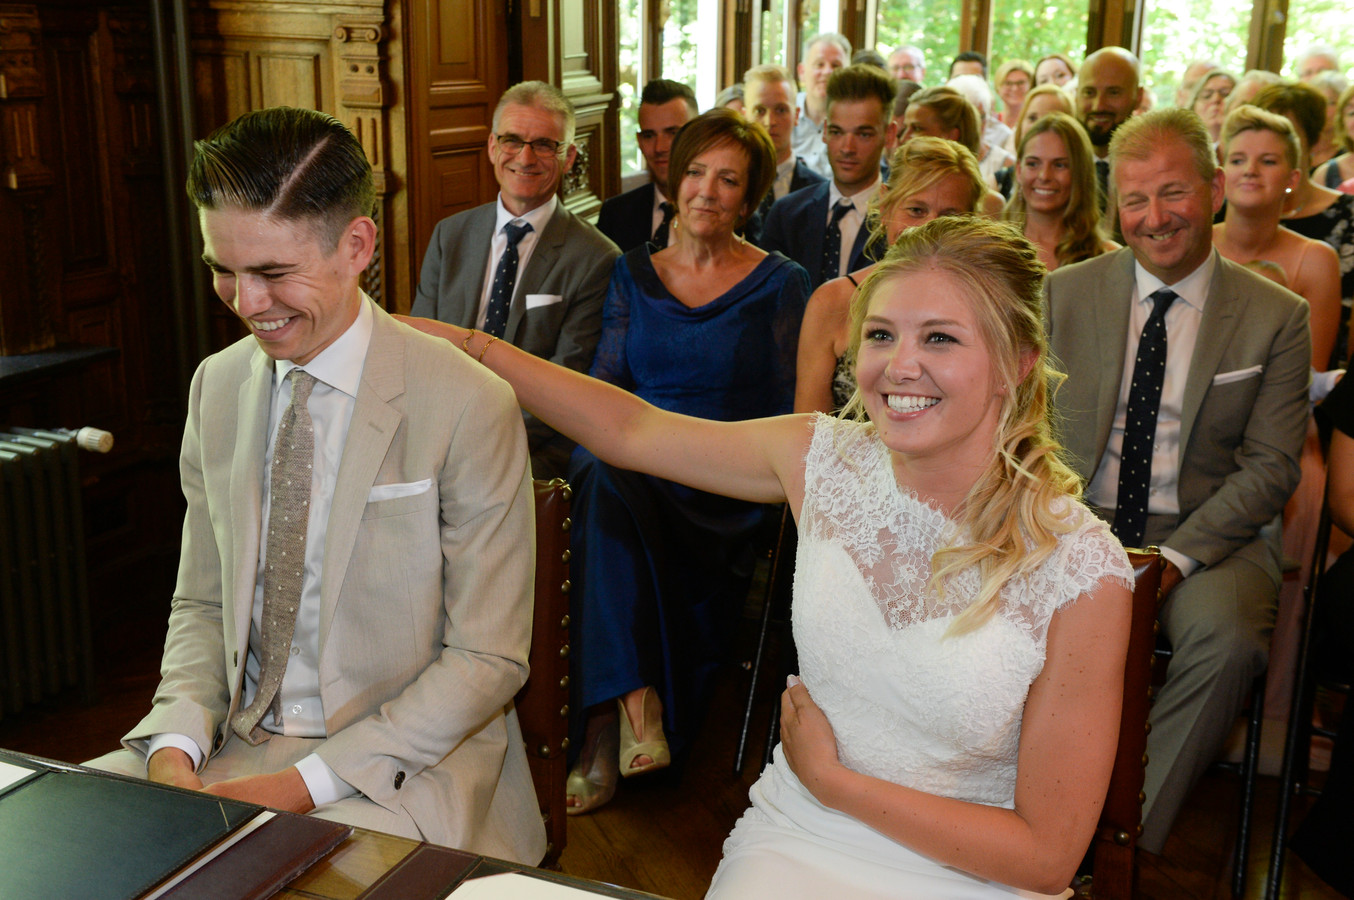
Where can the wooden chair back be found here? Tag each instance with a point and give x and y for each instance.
(543, 702)
(1116, 836)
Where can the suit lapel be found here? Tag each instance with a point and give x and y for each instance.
(370, 433)
(538, 268)
(1111, 339)
(475, 242)
(1223, 312)
(254, 402)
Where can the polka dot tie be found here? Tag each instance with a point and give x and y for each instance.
(285, 560)
(832, 241)
(1140, 429)
(505, 279)
(660, 236)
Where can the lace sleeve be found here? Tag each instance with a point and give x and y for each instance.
(1087, 557)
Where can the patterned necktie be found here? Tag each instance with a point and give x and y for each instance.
(1140, 428)
(832, 240)
(660, 236)
(505, 279)
(285, 569)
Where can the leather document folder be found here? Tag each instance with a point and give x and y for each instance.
(263, 861)
(69, 834)
(427, 873)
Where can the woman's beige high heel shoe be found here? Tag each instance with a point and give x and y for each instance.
(592, 781)
(654, 745)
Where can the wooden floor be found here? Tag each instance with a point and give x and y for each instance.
(663, 832)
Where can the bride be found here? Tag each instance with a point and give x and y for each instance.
(961, 618)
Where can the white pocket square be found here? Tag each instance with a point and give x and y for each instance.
(1238, 375)
(535, 300)
(381, 492)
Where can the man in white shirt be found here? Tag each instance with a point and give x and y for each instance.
(824, 54)
(645, 214)
(551, 305)
(1185, 410)
(353, 608)
(822, 227)
(768, 100)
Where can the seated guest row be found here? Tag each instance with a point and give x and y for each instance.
(324, 688)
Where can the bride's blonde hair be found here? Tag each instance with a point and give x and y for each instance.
(1012, 515)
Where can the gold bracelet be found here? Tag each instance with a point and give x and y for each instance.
(485, 349)
(465, 344)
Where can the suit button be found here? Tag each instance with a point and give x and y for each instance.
(399, 780)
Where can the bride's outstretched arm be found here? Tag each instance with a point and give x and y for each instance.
(761, 460)
(1068, 738)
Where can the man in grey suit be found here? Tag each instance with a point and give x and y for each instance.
(1185, 410)
(353, 608)
(524, 268)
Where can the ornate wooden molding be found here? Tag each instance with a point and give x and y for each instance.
(363, 97)
(23, 84)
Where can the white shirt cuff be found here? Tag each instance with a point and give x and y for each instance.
(323, 784)
(1186, 564)
(181, 741)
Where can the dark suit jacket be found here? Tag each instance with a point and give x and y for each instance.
(627, 219)
(796, 227)
(801, 178)
(1245, 408)
(556, 310)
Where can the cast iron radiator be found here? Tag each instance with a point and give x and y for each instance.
(44, 598)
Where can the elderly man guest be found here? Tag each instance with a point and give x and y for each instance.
(372, 683)
(908, 63)
(1185, 411)
(645, 213)
(822, 227)
(524, 268)
(824, 54)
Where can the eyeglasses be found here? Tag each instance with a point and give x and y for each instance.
(512, 145)
(1213, 94)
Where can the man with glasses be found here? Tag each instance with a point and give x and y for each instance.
(523, 268)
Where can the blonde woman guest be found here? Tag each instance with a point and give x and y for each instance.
(943, 112)
(928, 178)
(1057, 205)
(1039, 102)
(955, 606)
(1056, 69)
(1338, 174)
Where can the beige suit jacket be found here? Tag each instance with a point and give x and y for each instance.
(425, 600)
(1245, 408)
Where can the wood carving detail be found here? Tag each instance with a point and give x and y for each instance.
(576, 179)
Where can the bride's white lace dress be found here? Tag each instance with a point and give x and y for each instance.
(907, 704)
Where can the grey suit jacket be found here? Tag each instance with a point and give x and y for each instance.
(572, 261)
(1245, 407)
(425, 615)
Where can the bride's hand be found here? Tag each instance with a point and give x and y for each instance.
(807, 738)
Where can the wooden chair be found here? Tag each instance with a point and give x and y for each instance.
(1116, 835)
(543, 702)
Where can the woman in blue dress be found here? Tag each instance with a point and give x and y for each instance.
(707, 327)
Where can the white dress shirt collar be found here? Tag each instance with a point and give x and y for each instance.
(1193, 288)
(340, 364)
(537, 218)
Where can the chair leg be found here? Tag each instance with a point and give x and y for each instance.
(774, 577)
(1296, 748)
(1250, 766)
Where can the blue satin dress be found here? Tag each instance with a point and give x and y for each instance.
(659, 570)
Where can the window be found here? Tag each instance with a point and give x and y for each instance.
(932, 25)
(629, 81)
(1030, 30)
(1176, 32)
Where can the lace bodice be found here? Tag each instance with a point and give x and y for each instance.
(908, 703)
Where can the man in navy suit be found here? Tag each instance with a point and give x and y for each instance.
(645, 213)
(822, 227)
(769, 100)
